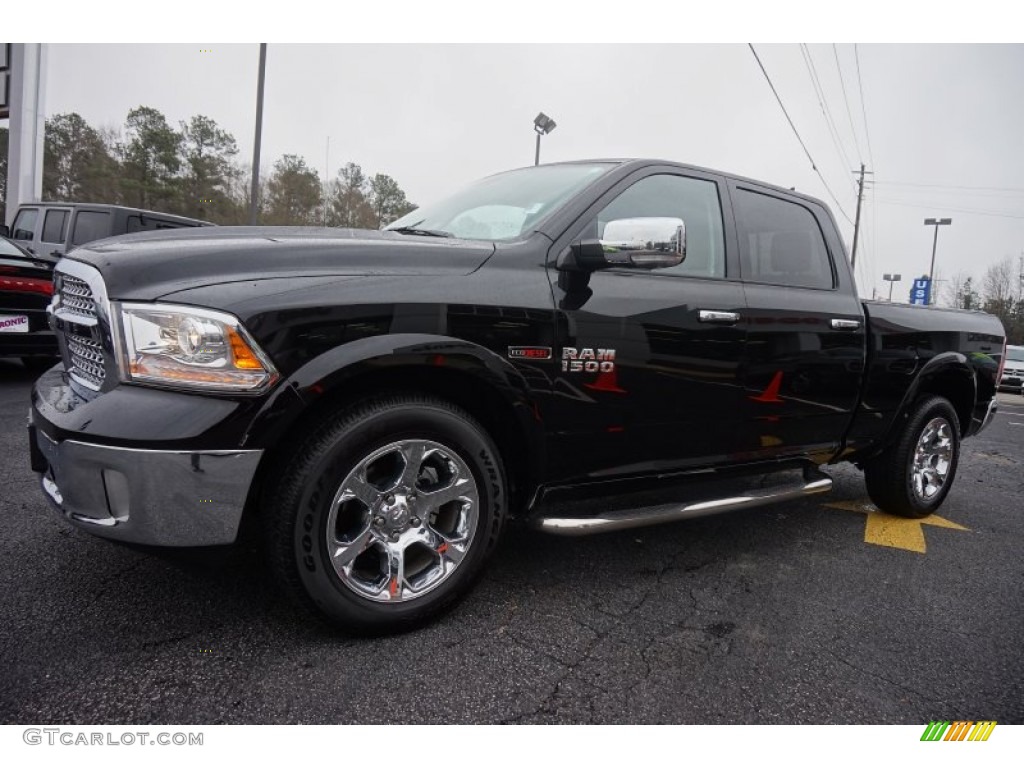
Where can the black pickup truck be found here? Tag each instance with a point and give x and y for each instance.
(585, 346)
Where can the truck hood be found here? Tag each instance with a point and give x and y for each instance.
(148, 265)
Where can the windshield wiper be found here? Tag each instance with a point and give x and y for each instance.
(424, 232)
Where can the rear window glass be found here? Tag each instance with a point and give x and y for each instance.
(90, 225)
(25, 224)
(782, 243)
(55, 226)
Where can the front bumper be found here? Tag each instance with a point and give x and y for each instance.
(162, 498)
(1011, 381)
(41, 343)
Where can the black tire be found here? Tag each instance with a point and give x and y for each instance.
(890, 477)
(297, 509)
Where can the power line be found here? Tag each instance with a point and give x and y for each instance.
(797, 134)
(819, 92)
(846, 101)
(863, 108)
(978, 211)
(1012, 190)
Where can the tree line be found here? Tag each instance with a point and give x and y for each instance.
(999, 293)
(194, 170)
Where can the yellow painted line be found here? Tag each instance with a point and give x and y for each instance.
(887, 530)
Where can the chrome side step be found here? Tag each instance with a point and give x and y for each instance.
(815, 481)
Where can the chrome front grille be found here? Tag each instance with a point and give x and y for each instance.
(76, 296)
(86, 359)
(81, 319)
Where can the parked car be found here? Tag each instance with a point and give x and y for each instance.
(50, 230)
(1013, 370)
(675, 340)
(26, 285)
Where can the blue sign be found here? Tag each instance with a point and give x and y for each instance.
(921, 290)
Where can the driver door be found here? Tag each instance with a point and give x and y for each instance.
(673, 398)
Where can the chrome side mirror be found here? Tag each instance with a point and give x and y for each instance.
(651, 242)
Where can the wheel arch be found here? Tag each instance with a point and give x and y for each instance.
(948, 375)
(472, 377)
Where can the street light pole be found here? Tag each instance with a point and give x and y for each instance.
(542, 124)
(892, 280)
(935, 242)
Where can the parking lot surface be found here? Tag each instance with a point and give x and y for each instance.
(797, 613)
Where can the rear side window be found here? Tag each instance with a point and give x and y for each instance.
(782, 243)
(148, 224)
(55, 226)
(25, 224)
(90, 225)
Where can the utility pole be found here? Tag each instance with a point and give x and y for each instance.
(856, 222)
(254, 201)
(1020, 288)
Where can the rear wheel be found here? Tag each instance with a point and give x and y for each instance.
(385, 517)
(914, 475)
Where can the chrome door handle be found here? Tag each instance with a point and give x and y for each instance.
(845, 325)
(717, 316)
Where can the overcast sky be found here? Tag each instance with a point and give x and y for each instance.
(436, 117)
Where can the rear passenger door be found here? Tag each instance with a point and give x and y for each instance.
(804, 356)
(54, 232)
(88, 226)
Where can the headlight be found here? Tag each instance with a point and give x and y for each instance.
(191, 347)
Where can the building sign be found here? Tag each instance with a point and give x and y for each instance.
(921, 290)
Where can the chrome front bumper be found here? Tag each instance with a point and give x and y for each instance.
(162, 498)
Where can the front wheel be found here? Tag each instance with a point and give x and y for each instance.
(912, 477)
(386, 515)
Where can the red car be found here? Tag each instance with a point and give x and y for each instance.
(26, 285)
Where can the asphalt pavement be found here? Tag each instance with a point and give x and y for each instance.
(784, 614)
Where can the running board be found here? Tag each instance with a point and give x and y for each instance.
(814, 482)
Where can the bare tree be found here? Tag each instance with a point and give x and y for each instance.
(962, 292)
(999, 288)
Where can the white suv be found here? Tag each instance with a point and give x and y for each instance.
(1013, 370)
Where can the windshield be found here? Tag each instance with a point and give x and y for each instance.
(7, 248)
(1017, 355)
(505, 206)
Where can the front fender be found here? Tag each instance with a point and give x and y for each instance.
(333, 371)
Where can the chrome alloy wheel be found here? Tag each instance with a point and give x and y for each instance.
(402, 521)
(932, 459)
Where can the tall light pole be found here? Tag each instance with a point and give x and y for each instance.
(891, 279)
(542, 124)
(254, 200)
(935, 241)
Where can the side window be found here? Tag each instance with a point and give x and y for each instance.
(148, 224)
(781, 242)
(695, 201)
(25, 224)
(55, 226)
(90, 225)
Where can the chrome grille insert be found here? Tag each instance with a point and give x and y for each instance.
(86, 359)
(81, 319)
(76, 296)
